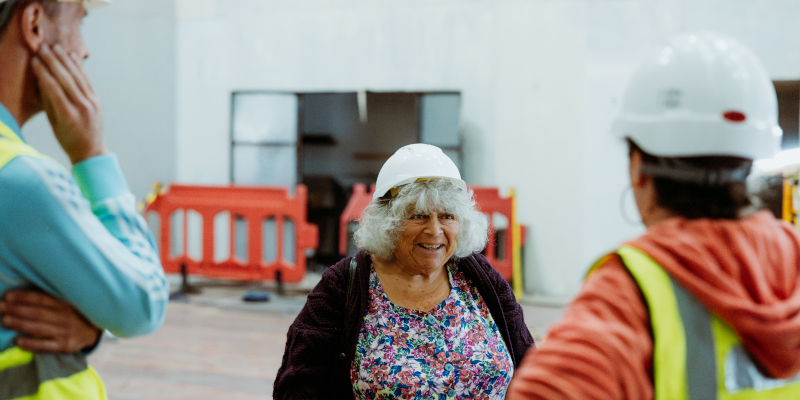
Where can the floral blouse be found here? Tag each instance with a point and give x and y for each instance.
(453, 351)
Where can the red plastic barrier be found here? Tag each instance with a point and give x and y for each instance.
(489, 202)
(251, 204)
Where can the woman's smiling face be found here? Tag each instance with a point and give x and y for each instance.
(427, 241)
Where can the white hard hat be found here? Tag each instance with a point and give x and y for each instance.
(414, 162)
(703, 95)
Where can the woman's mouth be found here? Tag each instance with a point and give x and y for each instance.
(431, 246)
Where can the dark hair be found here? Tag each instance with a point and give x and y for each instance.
(694, 200)
(9, 8)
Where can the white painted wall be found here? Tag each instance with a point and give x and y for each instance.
(540, 83)
(132, 67)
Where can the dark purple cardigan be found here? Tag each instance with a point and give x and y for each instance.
(321, 343)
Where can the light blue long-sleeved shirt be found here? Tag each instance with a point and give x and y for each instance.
(80, 240)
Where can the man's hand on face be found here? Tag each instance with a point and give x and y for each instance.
(46, 324)
(70, 103)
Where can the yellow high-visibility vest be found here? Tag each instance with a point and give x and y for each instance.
(42, 376)
(696, 355)
(46, 376)
(11, 146)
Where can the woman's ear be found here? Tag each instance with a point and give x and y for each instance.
(31, 25)
(637, 178)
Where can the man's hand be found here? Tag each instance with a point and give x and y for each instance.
(70, 102)
(46, 324)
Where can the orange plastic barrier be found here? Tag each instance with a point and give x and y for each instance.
(499, 254)
(352, 212)
(489, 201)
(254, 205)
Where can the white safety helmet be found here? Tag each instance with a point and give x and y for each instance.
(703, 95)
(416, 162)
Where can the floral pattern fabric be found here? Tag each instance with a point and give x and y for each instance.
(454, 351)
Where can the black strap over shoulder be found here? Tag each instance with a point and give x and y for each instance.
(352, 279)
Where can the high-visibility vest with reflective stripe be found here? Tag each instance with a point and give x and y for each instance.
(696, 355)
(42, 376)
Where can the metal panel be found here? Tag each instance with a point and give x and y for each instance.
(266, 118)
(439, 118)
(265, 165)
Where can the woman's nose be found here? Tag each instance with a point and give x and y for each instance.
(433, 227)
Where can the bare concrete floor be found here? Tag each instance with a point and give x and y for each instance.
(214, 346)
(202, 352)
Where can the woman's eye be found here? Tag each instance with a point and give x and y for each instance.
(448, 216)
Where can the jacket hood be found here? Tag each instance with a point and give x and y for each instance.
(745, 271)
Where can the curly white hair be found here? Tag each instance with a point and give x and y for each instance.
(382, 222)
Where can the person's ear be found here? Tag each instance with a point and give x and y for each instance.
(32, 20)
(638, 179)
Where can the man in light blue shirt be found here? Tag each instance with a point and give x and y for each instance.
(76, 237)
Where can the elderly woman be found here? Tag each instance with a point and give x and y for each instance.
(418, 312)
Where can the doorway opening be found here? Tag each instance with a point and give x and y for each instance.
(788, 93)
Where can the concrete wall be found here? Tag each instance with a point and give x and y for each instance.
(132, 67)
(540, 83)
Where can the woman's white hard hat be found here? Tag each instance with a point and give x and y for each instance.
(702, 95)
(416, 162)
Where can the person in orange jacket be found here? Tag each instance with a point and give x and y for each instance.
(705, 304)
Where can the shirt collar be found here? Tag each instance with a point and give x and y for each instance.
(9, 120)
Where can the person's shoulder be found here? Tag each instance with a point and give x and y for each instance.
(336, 271)
(478, 262)
(334, 278)
(19, 170)
(29, 178)
(30, 193)
(481, 260)
(478, 270)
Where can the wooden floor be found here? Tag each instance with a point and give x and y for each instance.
(216, 347)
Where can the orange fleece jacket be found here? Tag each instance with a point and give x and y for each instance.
(746, 271)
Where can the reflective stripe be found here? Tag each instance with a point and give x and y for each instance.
(21, 382)
(24, 372)
(701, 366)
